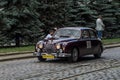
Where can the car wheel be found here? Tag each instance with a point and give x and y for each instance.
(74, 55)
(99, 52)
(40, 58)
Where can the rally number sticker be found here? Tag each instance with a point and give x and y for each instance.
(88, 44)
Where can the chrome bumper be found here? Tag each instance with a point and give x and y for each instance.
(36, 54)
(57, 55)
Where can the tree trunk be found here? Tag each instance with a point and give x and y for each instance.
(17, 39)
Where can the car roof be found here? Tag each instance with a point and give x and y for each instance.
(76, 28)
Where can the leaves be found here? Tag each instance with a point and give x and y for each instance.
(33, 19)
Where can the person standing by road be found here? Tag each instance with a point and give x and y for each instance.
(99, 26)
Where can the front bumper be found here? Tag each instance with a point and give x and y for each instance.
(56, 55)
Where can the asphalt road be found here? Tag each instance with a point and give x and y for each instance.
(87, 68)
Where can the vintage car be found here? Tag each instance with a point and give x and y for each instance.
(70, 43)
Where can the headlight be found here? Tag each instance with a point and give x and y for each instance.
(40, 45)
(58, 46)
(61, 46)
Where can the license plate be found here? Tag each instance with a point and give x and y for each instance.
(48, 56)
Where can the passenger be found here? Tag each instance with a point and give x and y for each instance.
(85, 34)
(51, 32)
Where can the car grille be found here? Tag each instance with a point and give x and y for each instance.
(49, 48)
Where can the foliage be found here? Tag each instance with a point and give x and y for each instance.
(51, 14)
(111, 16)
(20, 19)
(80, 14)
(27, 21)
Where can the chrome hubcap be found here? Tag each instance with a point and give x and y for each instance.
(75, 55)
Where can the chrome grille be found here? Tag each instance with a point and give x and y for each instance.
(49, 48)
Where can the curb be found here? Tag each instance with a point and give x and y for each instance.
(24, 57)
(14, 53)
(111, 46)
(32, 56)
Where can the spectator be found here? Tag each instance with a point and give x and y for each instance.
(99, 26)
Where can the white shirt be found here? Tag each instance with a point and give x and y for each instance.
(48, 36)
(99, 24)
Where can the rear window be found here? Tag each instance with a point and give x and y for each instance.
(92, 34)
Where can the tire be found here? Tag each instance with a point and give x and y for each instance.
(40, 58)
(74, 55)
(99, 52)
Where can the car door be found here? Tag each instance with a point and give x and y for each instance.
(94, 41)
(86, 42)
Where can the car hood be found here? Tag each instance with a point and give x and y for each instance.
(60, 40)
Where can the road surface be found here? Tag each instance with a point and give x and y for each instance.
(87, 68)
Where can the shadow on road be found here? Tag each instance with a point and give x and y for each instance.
(64, 60)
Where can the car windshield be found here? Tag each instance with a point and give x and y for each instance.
(69, 33)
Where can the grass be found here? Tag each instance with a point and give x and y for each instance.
(17, 49)
(31, 48)
(111, 41)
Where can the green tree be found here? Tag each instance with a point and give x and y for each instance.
(32, 19)
(78, 13)
(51, 14)
(110, 9)
(21, 20)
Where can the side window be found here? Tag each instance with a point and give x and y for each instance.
(92, 34)
(85, 34)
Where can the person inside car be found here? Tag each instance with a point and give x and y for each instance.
(51, 32)
(85, 34)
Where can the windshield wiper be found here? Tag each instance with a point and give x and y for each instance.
(64, 36)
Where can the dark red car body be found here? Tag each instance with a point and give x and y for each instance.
(70, 42)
